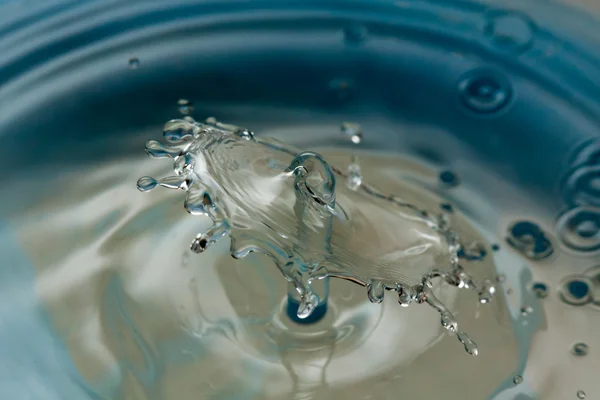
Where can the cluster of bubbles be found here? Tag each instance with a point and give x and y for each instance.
(271, 198)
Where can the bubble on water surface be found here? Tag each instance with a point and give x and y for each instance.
(529, 239)
(312, 219)
(484, 91)
(509, 30)
(576, 290)
(579, 229)
(582, 186)
(134, 63)
(580, 349)
(581, 394)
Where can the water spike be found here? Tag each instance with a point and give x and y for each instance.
(197, 201)
(175, 182)
(308, 165)
(470, 345)
(447, 319)
(146, 183)
(308, 303)
(177, 130)
(184, 164)
(376, 291)
(206, 239)
(158, 150)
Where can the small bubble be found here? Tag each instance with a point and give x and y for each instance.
(352, 131)
(575, 290)
(185, 106)
(501, 278)
(581, 394)
(528, 238)
(540, 290)
(355, 34)
(146, 183)
(579, 229)
(580, 349)
(495, 247)
(449, 178)
(518, 379)
(484, 92)
(134, 63)
(510, 31)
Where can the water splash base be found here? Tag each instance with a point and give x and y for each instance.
(271, 198)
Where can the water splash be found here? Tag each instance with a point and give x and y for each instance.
(271, 198)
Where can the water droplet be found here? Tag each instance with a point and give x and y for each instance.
(575, 290)
(581, 394)
(526, 310)
(405, 297)
(449, 178)
(474, 251)
(540, 290)
(134, 63)
(579, 229)
(146, 183)
(580, 349)
(185, 106)
(376, 291)
(529, 239)
(355, 34)
(352, 131)
(469, 344)
(486, 292)
(518, 379)
(510, 31)
(354, 174)
(484, 91)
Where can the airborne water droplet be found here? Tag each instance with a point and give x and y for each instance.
(518, 379)
(146, 183)
(581, 394)
(486, 292)
(352, 131)
(185, 106)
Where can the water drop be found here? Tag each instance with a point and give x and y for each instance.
(185, 107)
(469, 344)
(580, 349)
(529, 239)
(146, 183)
(352, 131)
(405, 297)
(518, 379)
(449, 178)
(484, 91)
(474, 251)
(540, 290)
(486, 292)
(134, 63)
(579, 229)
(526, 310)
(354, 174)
(581, 394)
(575, 290)
(510, 31)
(355, 34)
(376, 291)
